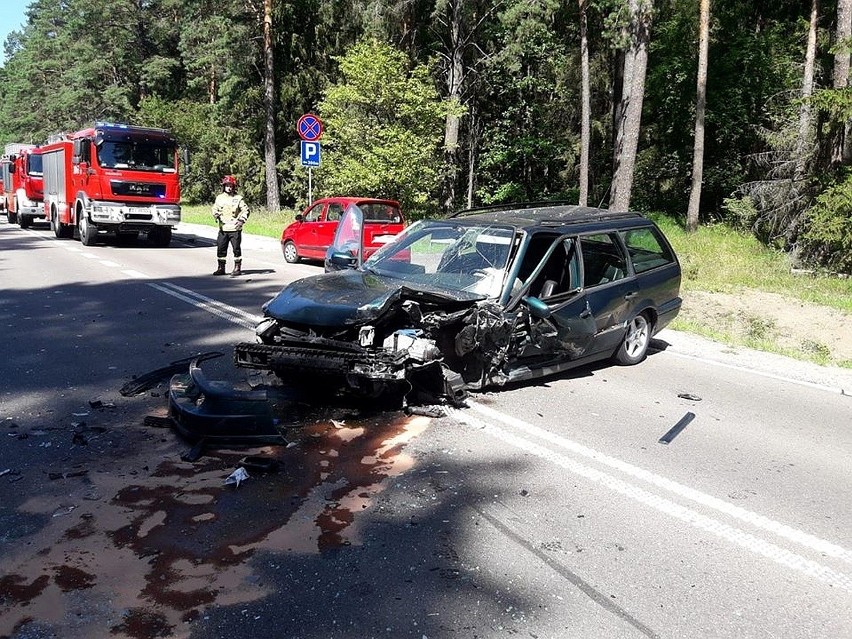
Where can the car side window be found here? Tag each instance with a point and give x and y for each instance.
(646, 249)
(314, 213)
(335, 212)
(603, 259)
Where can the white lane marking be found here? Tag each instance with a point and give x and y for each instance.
(739, 537)
(217, 308)
(131, 273)
(90, 256)
(237, 312)
(782, 378)
(110, 264)
(737, 512)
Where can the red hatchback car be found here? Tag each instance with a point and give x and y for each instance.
(313, 231)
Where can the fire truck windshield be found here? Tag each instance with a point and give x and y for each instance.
(34, 166)
(140, 156)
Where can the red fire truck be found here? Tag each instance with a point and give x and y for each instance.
(112, 179)
(22, 184)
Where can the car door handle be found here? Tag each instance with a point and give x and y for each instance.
(630, 296)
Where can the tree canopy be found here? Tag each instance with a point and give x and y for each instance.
(441, 103)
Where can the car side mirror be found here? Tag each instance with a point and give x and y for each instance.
(538, 309)
(340, 260)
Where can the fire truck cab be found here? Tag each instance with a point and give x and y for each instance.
(22, 173)
(113, 179)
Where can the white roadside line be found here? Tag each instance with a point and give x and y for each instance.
(759, 546)
(782, 378)
(737, 512)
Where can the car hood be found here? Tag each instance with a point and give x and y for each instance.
(354, 297)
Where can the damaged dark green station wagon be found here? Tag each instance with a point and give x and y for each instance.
(477, 300)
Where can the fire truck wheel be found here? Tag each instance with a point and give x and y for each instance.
(88, 232)
(11, 218)
(160, 237)
(26, 221)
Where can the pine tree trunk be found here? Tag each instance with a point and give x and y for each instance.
(700, 105)
(454, 85)
(804, 140)
(627, 138)
(272, 193)
(841, 148)
(585, 109)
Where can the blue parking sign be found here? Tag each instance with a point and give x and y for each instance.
(310, 153)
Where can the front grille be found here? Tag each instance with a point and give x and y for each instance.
(141, 189)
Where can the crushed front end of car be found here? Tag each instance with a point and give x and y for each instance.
(423, 345)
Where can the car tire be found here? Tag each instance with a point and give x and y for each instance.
(88, 231)
(634, 346)
(26, 221)
(291, 255)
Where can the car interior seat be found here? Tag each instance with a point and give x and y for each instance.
(548, 288)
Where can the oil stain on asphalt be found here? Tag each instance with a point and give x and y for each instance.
(149, 552)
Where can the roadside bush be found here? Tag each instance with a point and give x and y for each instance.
(827, 240)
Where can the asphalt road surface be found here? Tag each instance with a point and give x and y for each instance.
(550, 510)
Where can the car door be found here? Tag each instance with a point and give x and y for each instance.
(610, 287)
(324, 230)
(561, 326)
(305, 235)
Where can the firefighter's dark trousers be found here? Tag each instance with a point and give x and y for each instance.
(235, 239)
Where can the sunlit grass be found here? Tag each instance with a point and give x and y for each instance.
(260, 222)
(717, 258)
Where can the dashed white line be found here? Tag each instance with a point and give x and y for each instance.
(110, 264)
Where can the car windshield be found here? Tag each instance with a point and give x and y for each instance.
(141, 156)
(448, 255)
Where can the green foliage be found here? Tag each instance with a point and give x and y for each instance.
(383, 129)
(827, 239)
(741, 212)
(531, 106)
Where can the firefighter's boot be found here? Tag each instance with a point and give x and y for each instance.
(221, 269)
(237, 269)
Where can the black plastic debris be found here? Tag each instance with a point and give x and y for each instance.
(215, 413)
(147, 381)
(259, 464)
(690, 397)
(154, 421)
(677, 428)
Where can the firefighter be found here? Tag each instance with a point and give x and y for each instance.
(231, 211)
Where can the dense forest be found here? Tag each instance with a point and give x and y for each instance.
(733, 111)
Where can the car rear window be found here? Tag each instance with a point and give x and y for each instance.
(380, 212)
(646, 249)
